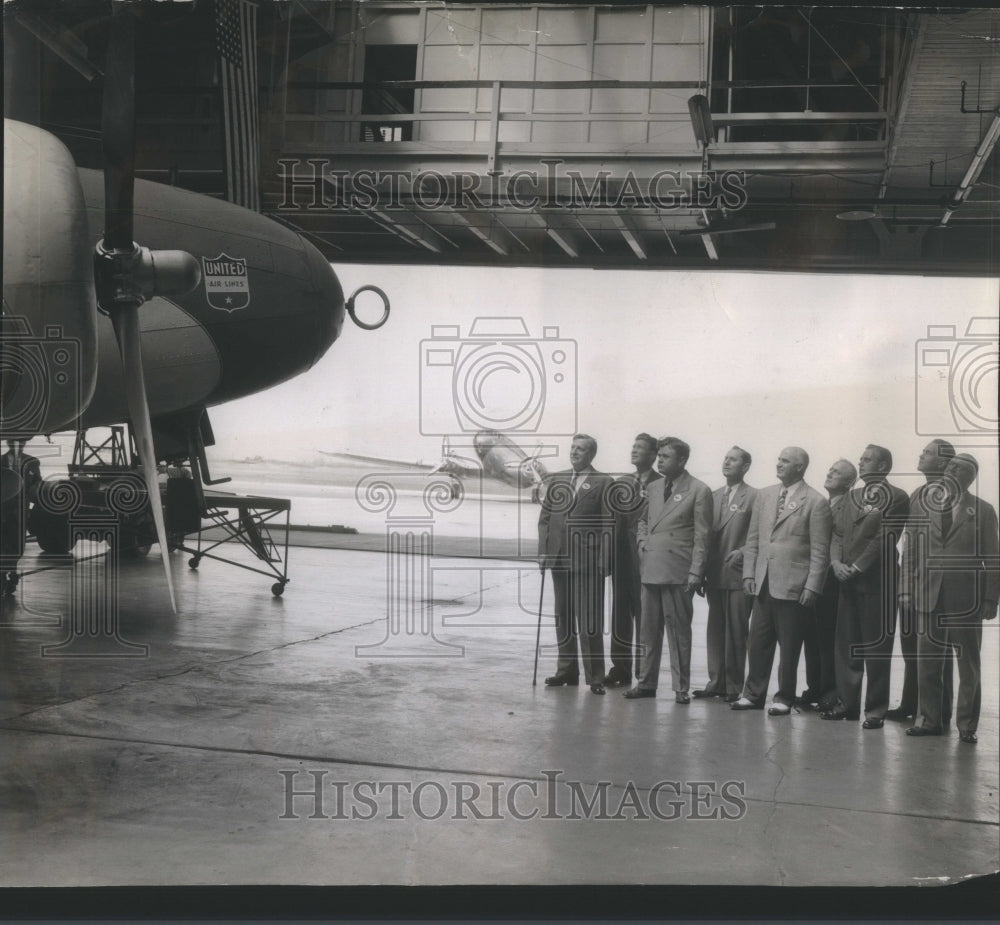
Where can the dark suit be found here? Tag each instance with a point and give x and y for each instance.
(784, 554)
(826, 626)
(951, 573)
(15, 509)
(864, 538)
(628, 498)
(673, 542)
(728, 605)
(575, 530)
(906, 630)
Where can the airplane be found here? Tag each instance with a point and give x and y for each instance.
(498, 457)
(216, 302)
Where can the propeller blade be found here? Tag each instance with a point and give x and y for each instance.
(118, 130)
(126, 324)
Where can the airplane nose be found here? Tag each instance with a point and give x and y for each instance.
(327, 301)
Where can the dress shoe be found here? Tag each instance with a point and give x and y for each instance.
(872, 724)
(808, 699)
(779, 709)
(597, 688)
(705, 693)
(899, 714)
(743, 704)
(833, 714)
(558, 680)
(616, 678)
(969, 737)
(922, 731)
(682, 697)
(730, 698)
(635, 693)
(827, 702)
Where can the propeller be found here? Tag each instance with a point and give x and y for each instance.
(125, 274)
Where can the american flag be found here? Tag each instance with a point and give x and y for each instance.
(236, 43)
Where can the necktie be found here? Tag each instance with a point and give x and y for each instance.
(781, 502)
(578, 480)
(946, 520)
(667, 488)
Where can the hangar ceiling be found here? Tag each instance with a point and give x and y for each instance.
(562, 134)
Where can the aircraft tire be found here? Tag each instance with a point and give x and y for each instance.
(52, 532)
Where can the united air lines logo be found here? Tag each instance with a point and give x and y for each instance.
(226, 285)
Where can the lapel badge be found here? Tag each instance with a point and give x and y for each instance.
(677, 497)
(585, 486)
(792, 505)
(970, 511)
(733, 508)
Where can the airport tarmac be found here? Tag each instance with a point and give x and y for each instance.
(198, 759)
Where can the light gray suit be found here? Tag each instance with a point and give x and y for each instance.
(784, 555)
(673, 541)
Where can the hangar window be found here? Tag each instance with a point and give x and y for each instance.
(781, 61)
(387, 63)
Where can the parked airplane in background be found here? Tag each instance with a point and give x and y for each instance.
(497, 457)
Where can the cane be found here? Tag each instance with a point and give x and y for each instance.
(538, 635)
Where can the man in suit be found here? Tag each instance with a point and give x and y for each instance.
(931, 464)
(863, 560)
(575, 531)
(672, 541)
(785, 560)
(728, 605)
(628, 498)
(20, 490)
(839, 481)
(952, 595)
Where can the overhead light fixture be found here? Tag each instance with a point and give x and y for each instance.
(701, 119)
(857, 215)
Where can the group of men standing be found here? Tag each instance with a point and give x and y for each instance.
(784, 570)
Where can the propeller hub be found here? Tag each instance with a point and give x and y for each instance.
(127, 278)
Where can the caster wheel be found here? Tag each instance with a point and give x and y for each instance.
(193, 563)
(278, 588)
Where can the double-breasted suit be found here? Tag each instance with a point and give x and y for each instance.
(951, 571)
(785, 554)
(575, 534)
(672, 537)
(906, 629)
(628, 498)
(866, 602)
(728, 605)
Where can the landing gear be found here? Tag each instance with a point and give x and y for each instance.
(50, 530)
(278, 588)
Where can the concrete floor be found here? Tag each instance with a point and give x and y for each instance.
(175, 767)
